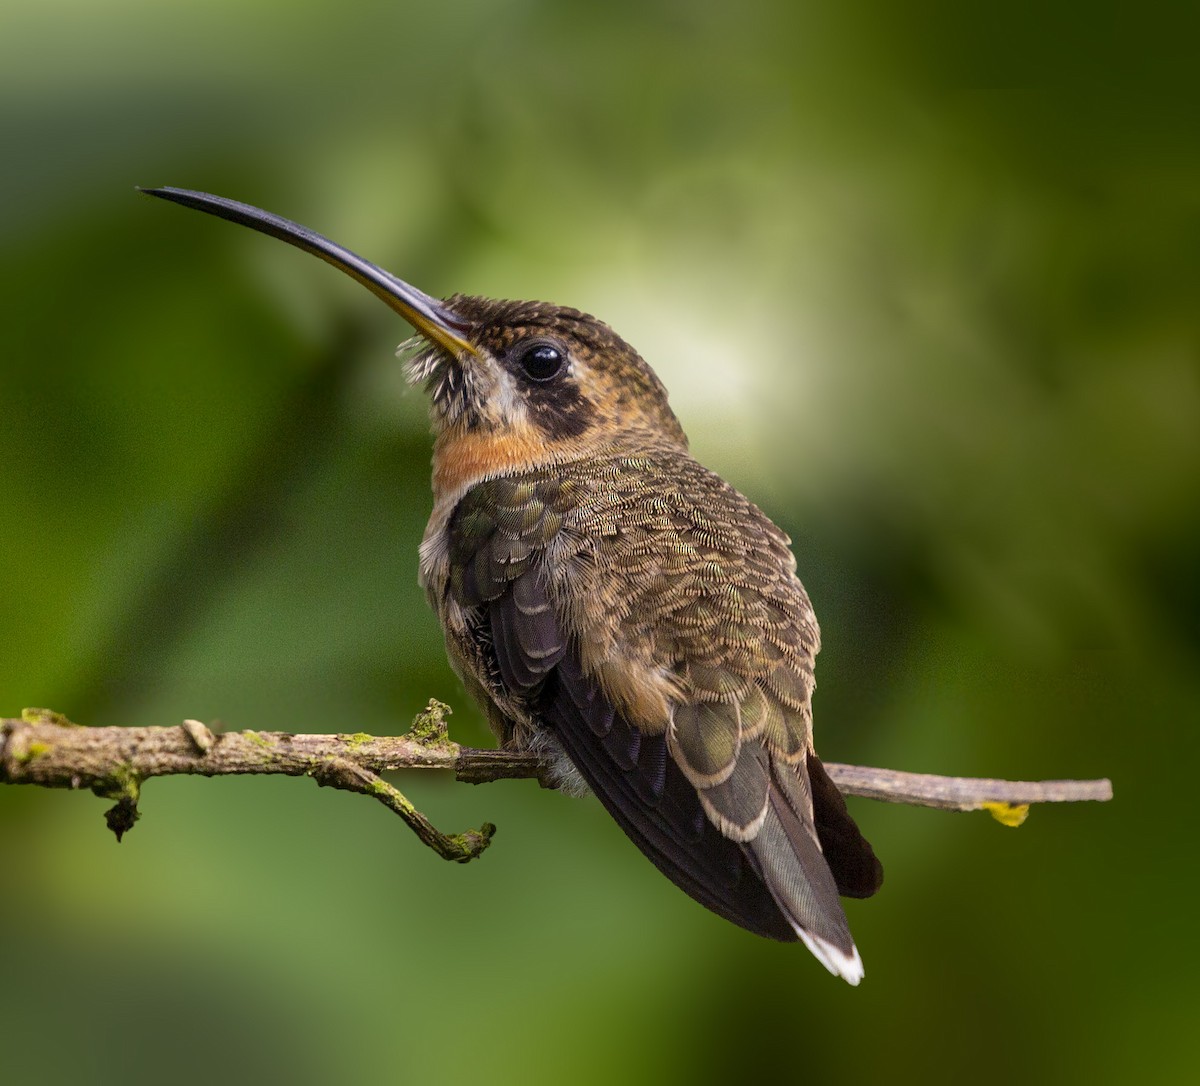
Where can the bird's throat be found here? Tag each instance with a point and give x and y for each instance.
(463, 456)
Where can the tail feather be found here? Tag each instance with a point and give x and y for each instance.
(856, 870)
(789, 858)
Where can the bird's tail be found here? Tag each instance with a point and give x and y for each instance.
(855, 868)
(788, 853)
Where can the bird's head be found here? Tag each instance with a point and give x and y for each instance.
(513, 385)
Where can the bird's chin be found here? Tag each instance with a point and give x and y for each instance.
(439, 373)
(423, 361)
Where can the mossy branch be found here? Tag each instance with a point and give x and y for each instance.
(44, 748)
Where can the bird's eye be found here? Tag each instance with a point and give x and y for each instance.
(541, 361)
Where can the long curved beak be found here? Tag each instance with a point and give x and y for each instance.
(432, 318)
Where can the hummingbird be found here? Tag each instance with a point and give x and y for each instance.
(616, 607)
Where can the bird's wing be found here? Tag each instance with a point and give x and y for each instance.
(665, 577)
(498, 538)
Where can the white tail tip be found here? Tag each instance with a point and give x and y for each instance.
(847, 966)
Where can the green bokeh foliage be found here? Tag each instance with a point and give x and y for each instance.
(925, 288)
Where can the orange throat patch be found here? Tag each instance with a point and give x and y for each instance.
(463, 457)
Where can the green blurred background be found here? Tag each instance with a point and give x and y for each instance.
(925, 287)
